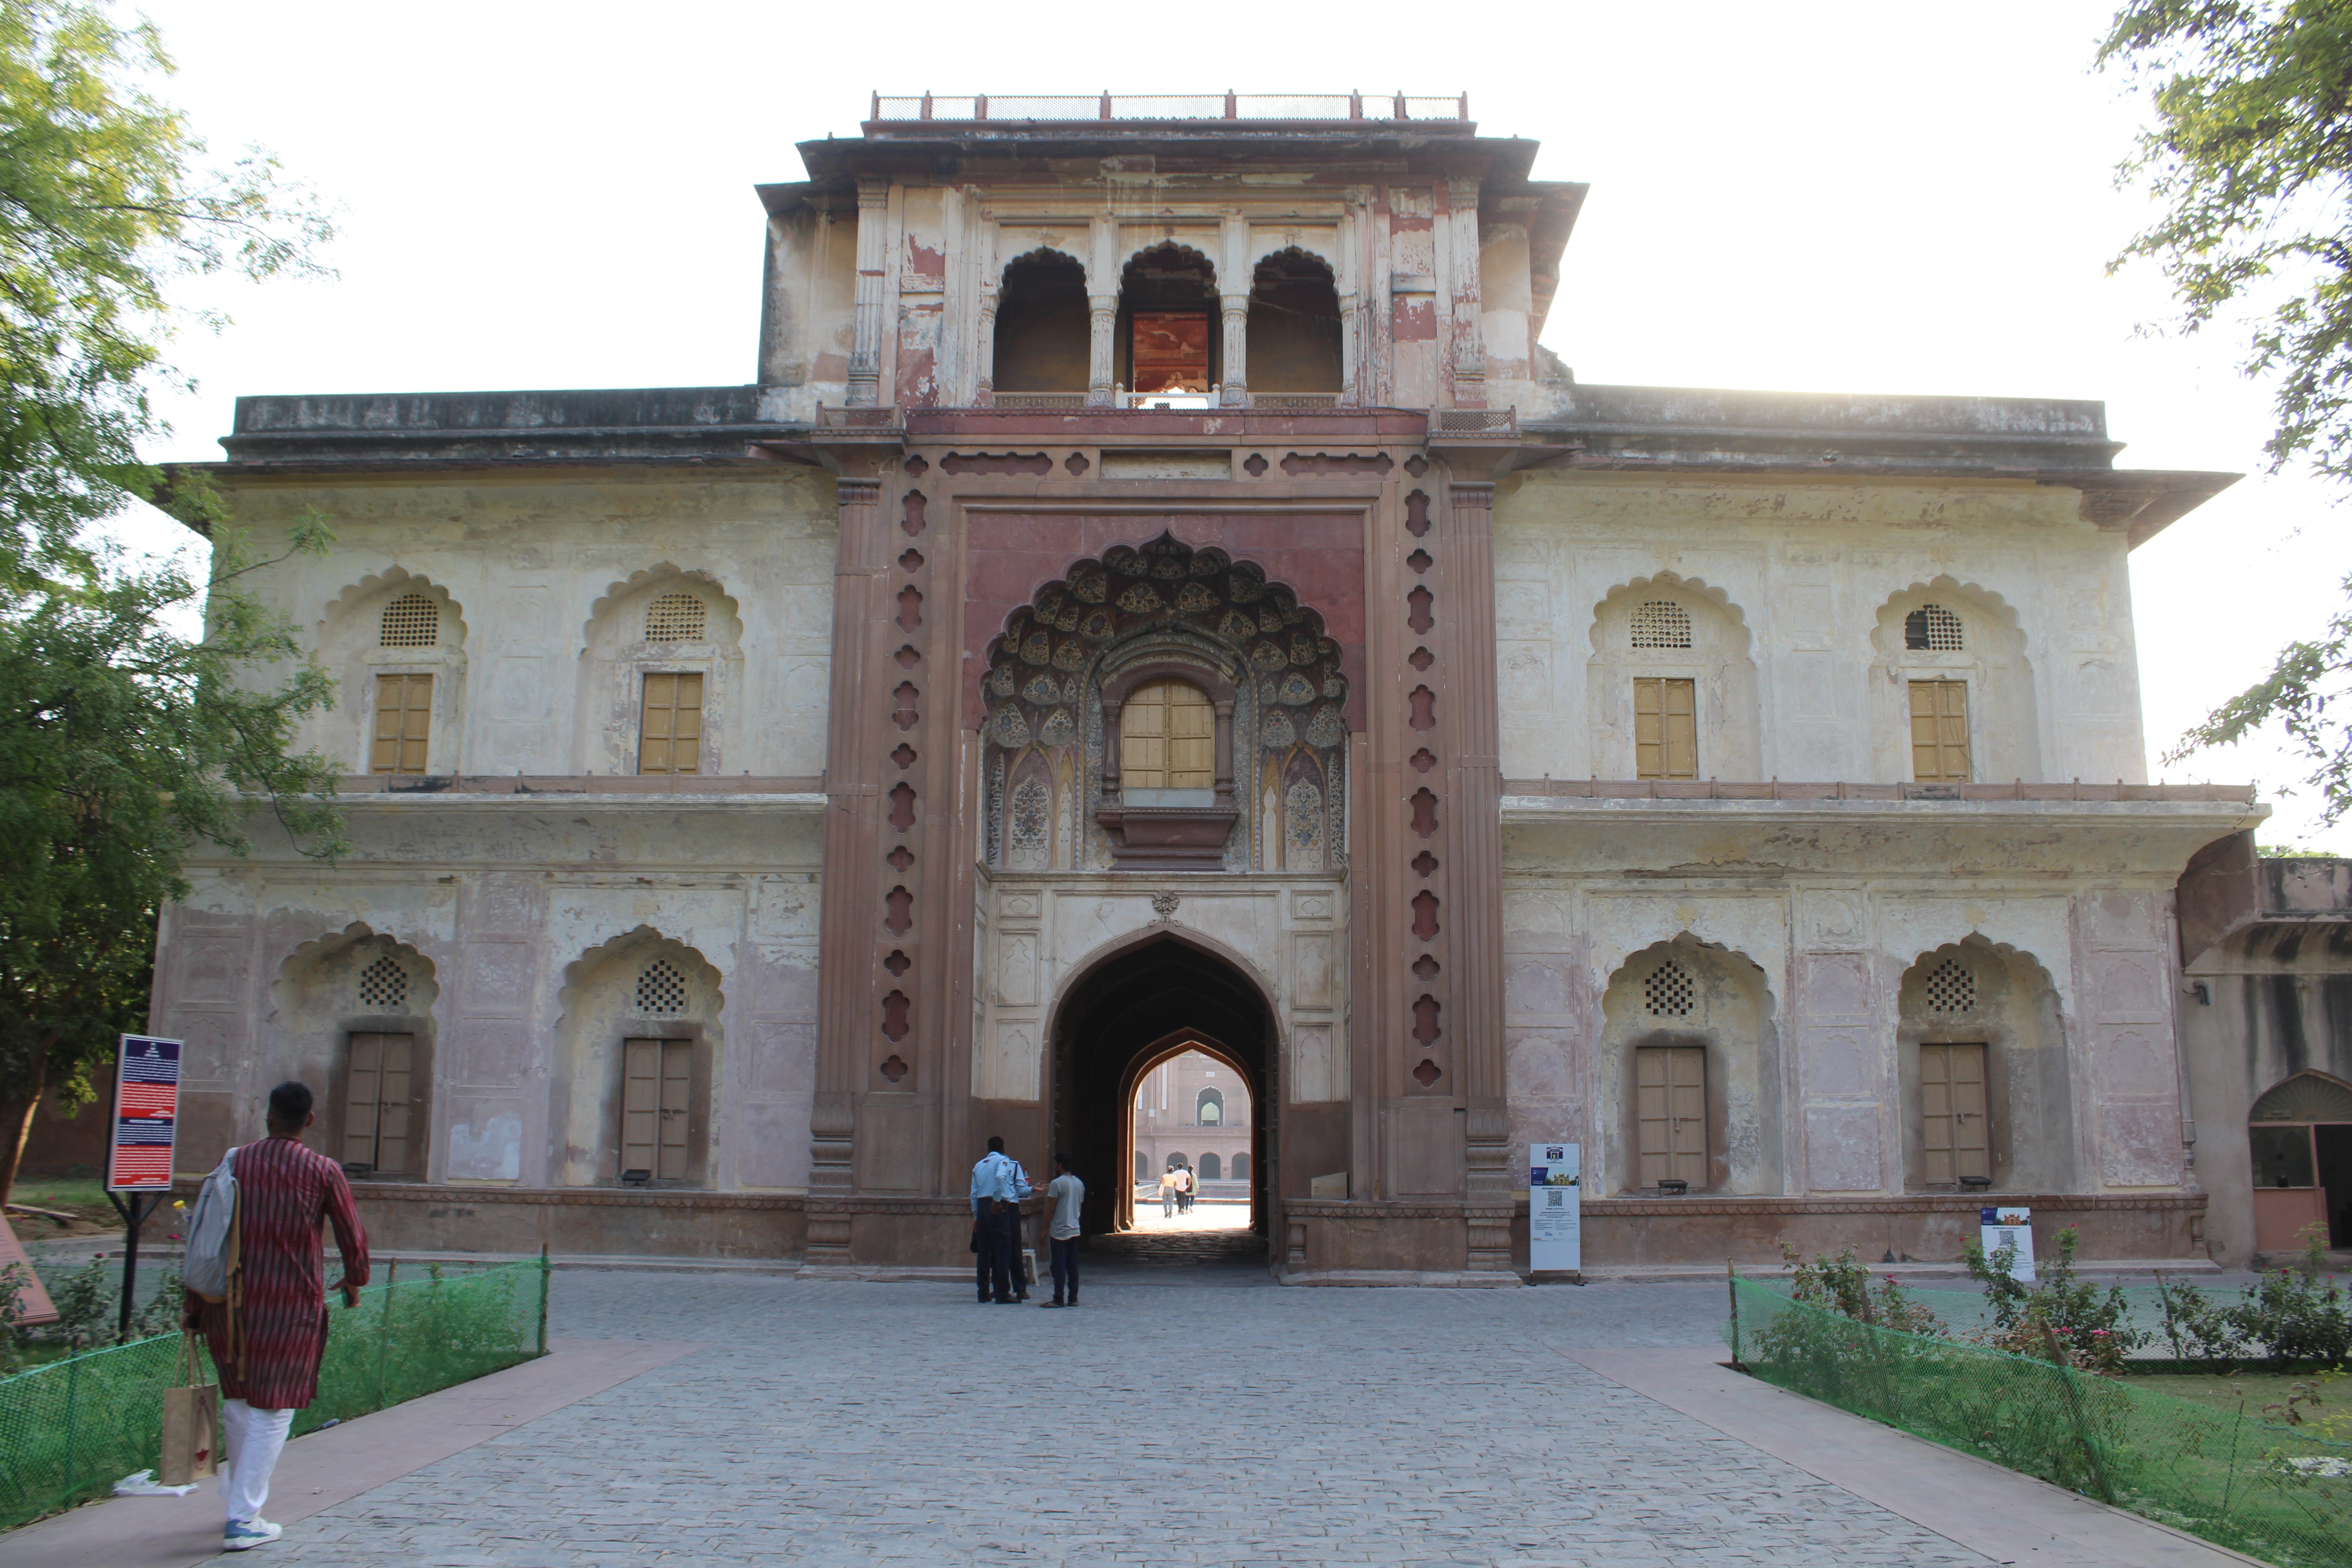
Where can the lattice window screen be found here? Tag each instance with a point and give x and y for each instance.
(384, 986)
(661, 989)
(1661, 623)
(1667, 993)
(411, 621)
(1951, 988)
(677, 618)
(1933, 629)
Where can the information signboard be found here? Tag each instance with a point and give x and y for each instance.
(1555, 1214)
(146, 1115)
(2004, 1226)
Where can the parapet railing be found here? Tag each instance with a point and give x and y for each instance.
(981, 107)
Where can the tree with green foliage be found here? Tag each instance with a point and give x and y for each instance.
(2250, 155)
(124, 742)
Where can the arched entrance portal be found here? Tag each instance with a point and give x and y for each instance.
(1156, 999)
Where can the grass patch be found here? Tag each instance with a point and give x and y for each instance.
(2244, 1394)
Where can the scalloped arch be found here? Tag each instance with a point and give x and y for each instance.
(1035, 252)
(347, 604)
(653, 576)
(1656, 581)
(2307, 1096)
(1976, 944)
(1176, 247)
(1685, 943)
(996, 644)
(1278, 245)
(321, 948)
(1891, 610)
(644, 939)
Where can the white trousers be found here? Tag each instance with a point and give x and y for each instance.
(256, 1439)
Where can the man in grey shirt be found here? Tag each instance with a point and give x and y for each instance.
(1067, 1192)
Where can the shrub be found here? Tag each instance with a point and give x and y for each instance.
(2094, 1330)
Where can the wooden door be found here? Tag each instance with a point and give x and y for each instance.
(1953, 1130)
(1167, 738)
(1670, 1089)
(375, 1102)
(1665, 728)
(403, 723)
(656, 1106)
(1939, 731)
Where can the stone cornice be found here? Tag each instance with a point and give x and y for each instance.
(565, 1198)
(1341, 1208)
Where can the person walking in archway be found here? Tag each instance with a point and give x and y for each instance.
(997, 1189)
(1062, 1230)
(1183, 1189)
(1168, 1193)
(267, 1337)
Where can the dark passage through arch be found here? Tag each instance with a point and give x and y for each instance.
(1124, 1016)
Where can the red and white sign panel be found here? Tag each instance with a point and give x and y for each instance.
(146, 1115)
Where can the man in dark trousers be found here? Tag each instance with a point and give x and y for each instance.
(997, 1189)
(1067, 1192)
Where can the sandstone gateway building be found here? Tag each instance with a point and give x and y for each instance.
(1158, 596)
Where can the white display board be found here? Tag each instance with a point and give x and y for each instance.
(2004, 1226)
(1555, 1214)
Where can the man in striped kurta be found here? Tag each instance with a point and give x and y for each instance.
(268, 1361)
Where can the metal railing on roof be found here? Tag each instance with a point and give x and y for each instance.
(981, 107)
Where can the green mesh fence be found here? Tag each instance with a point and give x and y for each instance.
(70, 1429)
(2268, 1492)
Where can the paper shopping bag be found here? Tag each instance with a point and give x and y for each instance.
(191, 1423)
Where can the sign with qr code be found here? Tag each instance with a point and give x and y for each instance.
(1554, 1213)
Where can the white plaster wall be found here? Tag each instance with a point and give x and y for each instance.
(503, 902)
(1808, 568)
(1039, 932)
(525, 561)
(1834, 949)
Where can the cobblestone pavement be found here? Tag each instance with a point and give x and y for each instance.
(1178, 1417)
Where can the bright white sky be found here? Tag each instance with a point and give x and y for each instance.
(1867, 197)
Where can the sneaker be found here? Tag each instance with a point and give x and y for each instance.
(245, 1534)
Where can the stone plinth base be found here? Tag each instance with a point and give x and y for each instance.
(1918, 1227)
(405, 1217)
(1351, 1242)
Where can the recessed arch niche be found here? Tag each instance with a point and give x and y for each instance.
(1164, 610)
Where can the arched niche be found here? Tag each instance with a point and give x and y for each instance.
(1164, 610)
(1970, 636)
(380, 636)
(1669, 629)
(661, 622)
(642, 987)
(354, 1016)
(1691, 1073)
(1043, 324)
(1168, 338)
(1972, 999)
(1294, 325)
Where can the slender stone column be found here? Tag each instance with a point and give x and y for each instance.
(984, 351)
(1466, 347)
(865, 323)
(1474, 783)
(1348, 334)
(851, 824)
(1236, 367)
(1103, 320)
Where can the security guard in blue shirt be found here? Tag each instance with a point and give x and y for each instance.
(998, 1186)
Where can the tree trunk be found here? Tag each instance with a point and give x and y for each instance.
(18, 1100)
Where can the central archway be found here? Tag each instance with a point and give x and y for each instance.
(1156, 997)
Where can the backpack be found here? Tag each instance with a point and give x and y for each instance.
(211, 1260)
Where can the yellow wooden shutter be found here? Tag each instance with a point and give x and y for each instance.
(375, 1102)
(1665, 728)
(656, 1106)
(1192, 738)
(1939, 731)
(403, 722)
(677, 1107)
(669, 725)
(1670, 1113)
(362, 1094)
(1143, 738)
(1954, 1138)
(641, 1065)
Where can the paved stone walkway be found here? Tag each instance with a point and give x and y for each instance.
(1178, 1417)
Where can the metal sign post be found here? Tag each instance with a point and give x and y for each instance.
(139, 1156)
